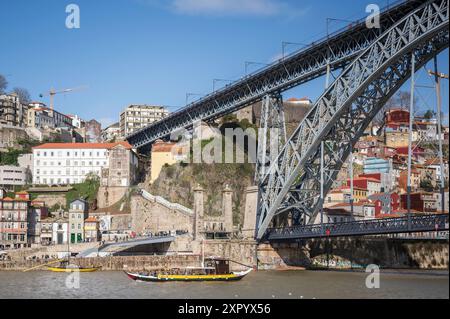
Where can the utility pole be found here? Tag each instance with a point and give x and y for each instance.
(411, 120)
(437, 77)
(351, 179)
(321, 184)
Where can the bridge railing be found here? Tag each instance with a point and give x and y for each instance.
(162, 201)
(423, 223)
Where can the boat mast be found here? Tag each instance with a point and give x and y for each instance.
(68, 243)
(203, 253)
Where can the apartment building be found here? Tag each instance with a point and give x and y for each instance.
(71, 163)
(11, 176)
(136, 117)
(12, 111)
(39, 116)
(78, 212)
(13, 223)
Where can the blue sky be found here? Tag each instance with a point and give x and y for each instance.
(155, 51)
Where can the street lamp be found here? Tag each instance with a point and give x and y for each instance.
(248, 63)
(333, 19)
(188, 95)
(219, 80)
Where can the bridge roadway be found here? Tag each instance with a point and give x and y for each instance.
(414, 224)
(334, 51)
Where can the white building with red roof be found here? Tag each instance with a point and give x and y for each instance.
(71, 163)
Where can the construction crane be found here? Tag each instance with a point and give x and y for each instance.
(53, 92)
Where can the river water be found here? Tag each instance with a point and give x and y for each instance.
(257, 285)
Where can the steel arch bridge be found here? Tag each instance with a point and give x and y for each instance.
(344, 111)
(375, 64)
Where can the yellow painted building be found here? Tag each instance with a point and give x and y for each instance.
(164, 153)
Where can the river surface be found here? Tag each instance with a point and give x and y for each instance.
(257, 285)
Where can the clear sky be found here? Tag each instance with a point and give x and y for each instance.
(155, 51)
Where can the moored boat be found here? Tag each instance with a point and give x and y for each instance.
(219, 272)
(73, 269)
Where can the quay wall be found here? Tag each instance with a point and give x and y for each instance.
(337, 252)
(115, 263)
(356, 252)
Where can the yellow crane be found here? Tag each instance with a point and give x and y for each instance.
(54, 92)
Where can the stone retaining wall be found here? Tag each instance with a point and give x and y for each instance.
(117, 263)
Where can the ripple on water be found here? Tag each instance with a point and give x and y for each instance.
(258, 285)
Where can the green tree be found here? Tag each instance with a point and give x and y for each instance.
(23, 94)
(429, 114)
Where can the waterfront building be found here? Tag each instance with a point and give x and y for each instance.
(38, 212)
(11, 176)
(13, 223)
(71, 163)
(78, 212)
(46, 234)
(135, 117)
(91, 229)
(60, 231)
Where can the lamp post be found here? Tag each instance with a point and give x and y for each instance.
(248, 63)
(284, 44)
(333, 19)
(219, 80)
(188, 95)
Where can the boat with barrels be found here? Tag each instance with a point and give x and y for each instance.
(216, 269)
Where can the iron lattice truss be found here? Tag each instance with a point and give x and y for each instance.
(344, 111)
(272, 135)
(336, 51)
(416, 224)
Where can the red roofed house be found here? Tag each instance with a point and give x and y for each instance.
(385, 203)
(373, 185)
(13, 223)
(71, 163)
(421, 201)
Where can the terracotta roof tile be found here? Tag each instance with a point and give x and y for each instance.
(83, 145)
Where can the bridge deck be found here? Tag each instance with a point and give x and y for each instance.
(415, 224)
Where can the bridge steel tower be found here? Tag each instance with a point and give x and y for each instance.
(341, 115)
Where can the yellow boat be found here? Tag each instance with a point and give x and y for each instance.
(219, 272)
(73, 269)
